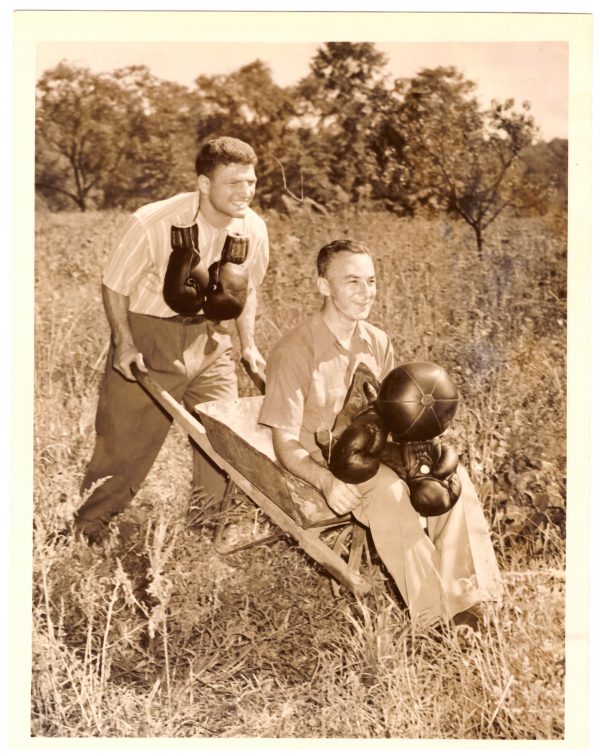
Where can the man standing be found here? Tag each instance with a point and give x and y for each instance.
(445, 574)
(189, 354)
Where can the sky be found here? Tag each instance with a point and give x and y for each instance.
(533, 71)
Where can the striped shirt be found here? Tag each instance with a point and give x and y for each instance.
(137, 264)
(309, 373)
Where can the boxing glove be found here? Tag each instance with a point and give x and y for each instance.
(361, 393)
(186, 278)
(355, 454)
(352, 446)
(228, 281)
(429, 469)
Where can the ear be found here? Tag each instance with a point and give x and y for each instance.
(203, 184)
(323, 286)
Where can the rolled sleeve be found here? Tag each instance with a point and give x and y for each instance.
(283, 406)
(128, 260)
(260, 262)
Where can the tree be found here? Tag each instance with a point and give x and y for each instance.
(249, 105)
(161, 160)
(546, 168)
(456, 156)
(85, 124)
(112, 139)
(345, 99)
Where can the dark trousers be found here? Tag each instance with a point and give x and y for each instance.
(194, 364)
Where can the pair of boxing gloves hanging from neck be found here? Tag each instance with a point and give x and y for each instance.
(368, 432)
(219, 291)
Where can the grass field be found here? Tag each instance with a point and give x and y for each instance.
(162, 637)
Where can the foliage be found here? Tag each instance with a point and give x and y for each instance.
(156, 635)
(108, 139)
(162, 163)
(457, 157)
(87, 122)
(344, 101)
(345, 135)
(247, 104)
(547, 165)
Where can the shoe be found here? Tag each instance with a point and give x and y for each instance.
(132, 532)
(93, 532)
(473, 617)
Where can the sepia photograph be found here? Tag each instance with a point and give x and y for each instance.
(299, 290)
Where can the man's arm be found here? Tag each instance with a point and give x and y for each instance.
(116, 307)
(245, 328)
(341, 497)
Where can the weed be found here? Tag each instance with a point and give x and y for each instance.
(154, 634)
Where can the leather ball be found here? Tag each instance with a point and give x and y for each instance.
(417, 401)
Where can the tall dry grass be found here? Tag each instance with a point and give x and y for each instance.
(159, 636)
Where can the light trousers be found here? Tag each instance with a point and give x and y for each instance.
(439, 573)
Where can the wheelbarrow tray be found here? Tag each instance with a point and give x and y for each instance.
(234, 441)
(234, 433)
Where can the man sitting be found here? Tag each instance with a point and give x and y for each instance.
(445, 574)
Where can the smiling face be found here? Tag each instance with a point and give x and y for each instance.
(227, 193)
(349, 286)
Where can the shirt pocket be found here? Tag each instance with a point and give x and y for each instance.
(323, 404)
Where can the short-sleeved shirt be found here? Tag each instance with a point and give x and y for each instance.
(309, 373)
(137, 264)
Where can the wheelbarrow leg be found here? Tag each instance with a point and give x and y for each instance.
(358, 537)
(218, 539)
(226, 505)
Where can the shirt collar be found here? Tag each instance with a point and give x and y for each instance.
(324, 339)
(200, 218)
(361, 329)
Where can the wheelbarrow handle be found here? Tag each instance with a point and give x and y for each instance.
(146, 380)
(258, 377)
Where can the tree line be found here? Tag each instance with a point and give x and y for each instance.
(344, 135)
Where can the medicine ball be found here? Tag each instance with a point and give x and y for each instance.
(417, 401)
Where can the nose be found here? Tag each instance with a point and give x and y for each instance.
(366, 289)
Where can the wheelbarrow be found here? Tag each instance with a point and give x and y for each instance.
(229, 434)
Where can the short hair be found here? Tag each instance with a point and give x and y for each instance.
(223, 151)
(329, 251)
